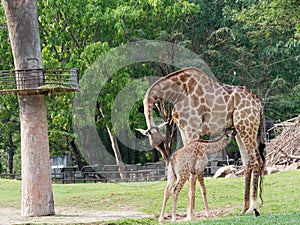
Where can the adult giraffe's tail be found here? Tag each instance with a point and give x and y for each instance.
(261, 149)
(262, 126)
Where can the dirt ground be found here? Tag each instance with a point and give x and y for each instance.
(9, 216)
(197, 215)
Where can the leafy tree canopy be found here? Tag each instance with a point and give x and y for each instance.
(253, 43)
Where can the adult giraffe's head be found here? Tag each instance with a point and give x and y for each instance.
(157, 139)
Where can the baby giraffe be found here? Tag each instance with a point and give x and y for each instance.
(191, 159)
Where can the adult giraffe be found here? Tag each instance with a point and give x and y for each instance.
(203, 107)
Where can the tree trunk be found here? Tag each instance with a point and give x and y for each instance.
(37, 196)
(115, 147)
(117, 152)
(11, 155)
(77, 155)
(155, 156)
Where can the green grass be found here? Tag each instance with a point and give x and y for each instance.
(267, 219)
(281, 195)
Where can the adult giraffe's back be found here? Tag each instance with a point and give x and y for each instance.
(204, 107)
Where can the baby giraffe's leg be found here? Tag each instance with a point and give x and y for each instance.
(203, 190)
(191, 196)
(171, 180)
(179, 185)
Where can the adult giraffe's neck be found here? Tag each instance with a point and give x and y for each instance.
(163, 90)
(148, 108)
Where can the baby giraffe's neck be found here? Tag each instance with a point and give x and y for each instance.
(214, 146)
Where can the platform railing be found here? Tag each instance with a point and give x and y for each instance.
(33, 81)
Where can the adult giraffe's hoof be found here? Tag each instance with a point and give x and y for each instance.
(242, 212)
(256, 212)
(250, 210)
(246, 209)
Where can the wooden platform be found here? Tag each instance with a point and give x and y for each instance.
(38, 81)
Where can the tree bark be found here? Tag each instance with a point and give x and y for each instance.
(117, 153)
(77, 154)
(11, 155)
(37, 196)
(115, 147)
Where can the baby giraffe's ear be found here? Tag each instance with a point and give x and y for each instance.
(234, 132)
(143, 132)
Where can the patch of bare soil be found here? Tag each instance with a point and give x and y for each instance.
(9, 216)
(197, 215)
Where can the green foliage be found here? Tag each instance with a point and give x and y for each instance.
(250, 43)
(6, 60)
(10, 128)
(9, 122)
(277, 19)
(269, 32)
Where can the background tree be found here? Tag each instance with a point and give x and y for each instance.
(37, 197)
(252, 43)
(9, 122)
(273, 36)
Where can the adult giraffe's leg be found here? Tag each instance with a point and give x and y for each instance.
(191, 196)
(247, 120)
(203, 190)
(258, 163)
(254, 206)
(247, 175)
(247, 170)
(252, 163)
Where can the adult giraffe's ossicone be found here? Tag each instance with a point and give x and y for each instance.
(204, 107)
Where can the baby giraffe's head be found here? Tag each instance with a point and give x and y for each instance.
(230, 132)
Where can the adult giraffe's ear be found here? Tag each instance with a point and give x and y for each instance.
(143, 132)
(162, 125)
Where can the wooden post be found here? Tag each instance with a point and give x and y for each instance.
(37, 196)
